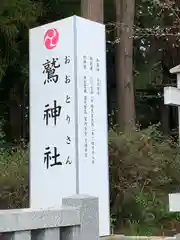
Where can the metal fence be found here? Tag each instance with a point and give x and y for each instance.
(76, 220)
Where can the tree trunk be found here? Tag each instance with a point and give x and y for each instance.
(93, 10)
(125, 10)
(15, 115)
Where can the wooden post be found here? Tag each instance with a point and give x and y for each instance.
(172, 94)
(125, 10)
(93, 10)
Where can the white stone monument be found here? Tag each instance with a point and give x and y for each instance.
(174, 202)
(172, 97)
(68, 114)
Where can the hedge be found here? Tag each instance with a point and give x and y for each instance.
(144, 167)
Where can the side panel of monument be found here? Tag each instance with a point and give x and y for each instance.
(92, 116)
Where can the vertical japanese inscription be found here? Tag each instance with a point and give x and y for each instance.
(85, 109)
(91, 80)
(92, 114)
(85, 128)
(51, 157)
(52, 111)
(92, 130)
(50, 70)
(98, 80)
(67, 60)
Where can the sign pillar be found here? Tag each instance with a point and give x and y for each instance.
(68, 114)
(178, 86)
(172, 94)
(172, 97)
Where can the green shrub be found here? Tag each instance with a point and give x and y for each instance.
(13, 178)
(144, 168)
